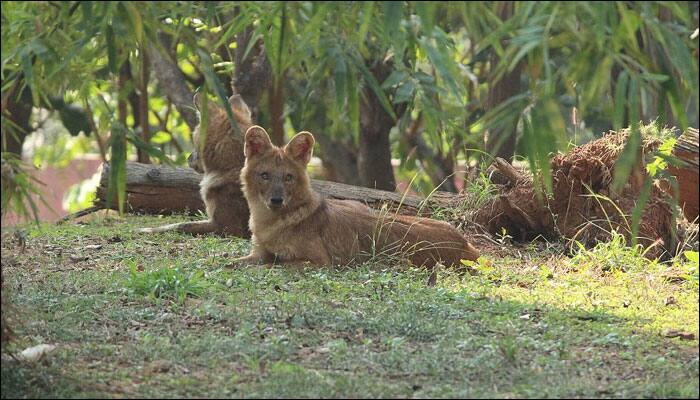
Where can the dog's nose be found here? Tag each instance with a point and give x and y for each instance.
(276, 201)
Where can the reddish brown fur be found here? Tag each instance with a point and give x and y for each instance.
(302, 227)
(220, 159)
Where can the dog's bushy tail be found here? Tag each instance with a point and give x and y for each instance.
(194, 227)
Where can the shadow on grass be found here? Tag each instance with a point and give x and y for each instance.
(330, 333)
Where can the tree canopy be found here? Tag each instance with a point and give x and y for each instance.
(422, 82)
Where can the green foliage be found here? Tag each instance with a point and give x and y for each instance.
(475, 195)
(557, 42)
(81, 195)
(609, 64)
(174, 283)
(19, 189)
(59, 150)
(612, 256)
(690, 267)
(479, 191)
(656, 169)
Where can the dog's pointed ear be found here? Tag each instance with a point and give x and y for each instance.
(301, 147)
(257, 141)
(196, 99)
(239, 106)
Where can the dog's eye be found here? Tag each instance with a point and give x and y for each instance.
(265, 176)
(289, 177)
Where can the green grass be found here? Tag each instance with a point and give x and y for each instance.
(160, 316)
(476, 194)
(167, 282)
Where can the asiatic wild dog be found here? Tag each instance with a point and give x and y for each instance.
(291, 223)
(219, 158)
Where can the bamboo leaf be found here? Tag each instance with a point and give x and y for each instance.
(631, 151)
(597, 82)
(396, 77)
(405, 92)
(522, 52)
(251, 43)
(654, 77)
(674, 100)
(135, 20)
(376, 89)
(28, 71)
(116, 186)
(620, 100)
(149, 148)
(204, 118)
(680, 58)
(443, 66)
(340, 72)
(367, 12)
(87, 19)
(214, 85)
(544, 136)
(354, 103)
(111, 49)
(392, 17)
(426, 12)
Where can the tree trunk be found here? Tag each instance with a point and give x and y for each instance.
(122, 79)
(374, 155)
(340, 157)
(501, 142)
(253, 73)
(18, 111)
(276, 104)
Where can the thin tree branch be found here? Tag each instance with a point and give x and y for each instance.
(173, 83)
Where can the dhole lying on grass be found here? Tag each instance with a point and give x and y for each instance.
(292, 224)
(220, 187)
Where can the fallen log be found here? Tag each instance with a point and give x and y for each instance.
(509, 172)
(157, 189)
(154, 189)
(686, 149)
(583, 206)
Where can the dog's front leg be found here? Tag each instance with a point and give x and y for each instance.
(249, 259)
(257, 256)
(315, 255)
